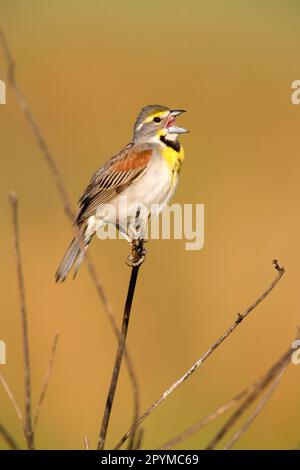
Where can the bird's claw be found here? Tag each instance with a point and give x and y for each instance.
(133, 261)
(138, 254)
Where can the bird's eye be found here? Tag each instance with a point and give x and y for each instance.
(157, 119)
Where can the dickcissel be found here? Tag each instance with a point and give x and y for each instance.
(146, 171)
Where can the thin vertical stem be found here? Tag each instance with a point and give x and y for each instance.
(27, 419)
(46, 380)
(86, 443)
(138, 258)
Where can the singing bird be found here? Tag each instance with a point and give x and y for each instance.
(146, 171)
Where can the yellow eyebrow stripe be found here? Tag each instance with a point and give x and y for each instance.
(158, 114)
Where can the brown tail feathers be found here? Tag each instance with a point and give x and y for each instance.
(75, 253)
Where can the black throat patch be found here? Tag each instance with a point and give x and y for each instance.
(174, 144)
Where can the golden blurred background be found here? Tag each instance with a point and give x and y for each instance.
(86, 69)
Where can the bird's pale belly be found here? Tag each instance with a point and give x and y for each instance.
(154, 189)
(148, 195)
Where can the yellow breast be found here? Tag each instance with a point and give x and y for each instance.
(173, 158)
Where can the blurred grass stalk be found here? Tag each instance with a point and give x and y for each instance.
(28, 425)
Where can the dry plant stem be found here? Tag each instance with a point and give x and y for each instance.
(34, 125)
(202, 359)
(127, 356)
(119, 357)
(257, 410)
(11, 397)
(206, 420)
(139, 439)
(118, 360)
(22, 103)
(86, 443)
(263, 383)
(27, 419)
(7, 437)
(46, 380)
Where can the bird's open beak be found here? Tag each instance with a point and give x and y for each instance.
(171, 119)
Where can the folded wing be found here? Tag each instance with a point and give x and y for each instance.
(112, 178)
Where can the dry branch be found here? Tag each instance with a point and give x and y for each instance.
(202, 359)
(127, 355)
(86, 443)
(46, 380)
(257, 410)
(7, 437)
(266, 380)
(27, 418)
(11, 397)
(227, 406)
(139, 439)
(137, 249)
(205, 421)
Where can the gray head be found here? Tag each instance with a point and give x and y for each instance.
(156, 121)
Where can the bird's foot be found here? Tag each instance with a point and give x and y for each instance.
(138, 253)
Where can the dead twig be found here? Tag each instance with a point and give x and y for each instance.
(11, 397)
(221, 410)
(276, 368)
(205, 421)
(59, 183)
(258, 409)
(86, 443)
(139, 439)
(7, 437)
(28, 428)
(127, 355)
(202, 359)
(138, 254)
(28, 431)
(46, 380)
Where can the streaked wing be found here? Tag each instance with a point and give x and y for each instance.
(113, 177)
